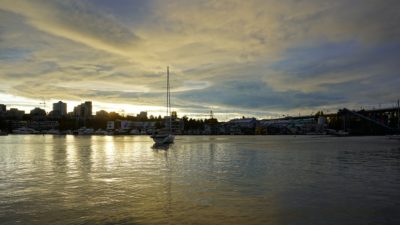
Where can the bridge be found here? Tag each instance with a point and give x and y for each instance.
(376, 121)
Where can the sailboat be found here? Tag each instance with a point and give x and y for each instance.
(165, 136)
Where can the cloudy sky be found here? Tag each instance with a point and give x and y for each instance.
(256, 57)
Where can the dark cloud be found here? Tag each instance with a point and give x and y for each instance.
(318, 60)
(342, 68)
(257, 95)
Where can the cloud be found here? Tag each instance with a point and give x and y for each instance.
(75, 21)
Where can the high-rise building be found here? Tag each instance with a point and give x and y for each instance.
(78, 111)
(83, 110)
(60, 108)
(87, 109)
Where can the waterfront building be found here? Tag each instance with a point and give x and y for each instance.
(43, 125)
(143, 127)
(242, 126)
(110, 125)
(126, 125)
(177, 125)
(293, 125)
(244, 123)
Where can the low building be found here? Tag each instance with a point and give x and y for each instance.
(110, 125)
(142, 116)
(290, 125)
(242, 126)
(177, 125)
(144, 127)
(38, 114)
(43, 125)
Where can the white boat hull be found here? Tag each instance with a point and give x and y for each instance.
(161, 139)
(24, 130)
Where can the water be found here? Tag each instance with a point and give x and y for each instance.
(199, 180)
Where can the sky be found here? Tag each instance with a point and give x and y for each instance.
(262, 58)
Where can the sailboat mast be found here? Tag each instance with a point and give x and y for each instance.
(167, 90)
(169, 101)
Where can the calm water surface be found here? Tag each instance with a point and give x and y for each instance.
(199, 180)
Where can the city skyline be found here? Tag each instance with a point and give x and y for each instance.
(253, 58)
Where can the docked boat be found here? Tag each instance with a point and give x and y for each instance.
(340, 133)
(395, 137)
(2, 133)
(101, 132)
(85, 131)
(53, 132)
(165, 136)
(25, 130)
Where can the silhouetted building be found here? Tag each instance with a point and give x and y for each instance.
(3, 108)
(59, 109)
(14, 113)
(142, 115)
(78, 110)
(83, 110)
(242, 126)
(88, 109)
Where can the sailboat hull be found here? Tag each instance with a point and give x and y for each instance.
(163, 138)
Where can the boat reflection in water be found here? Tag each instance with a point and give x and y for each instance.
(162, 146)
